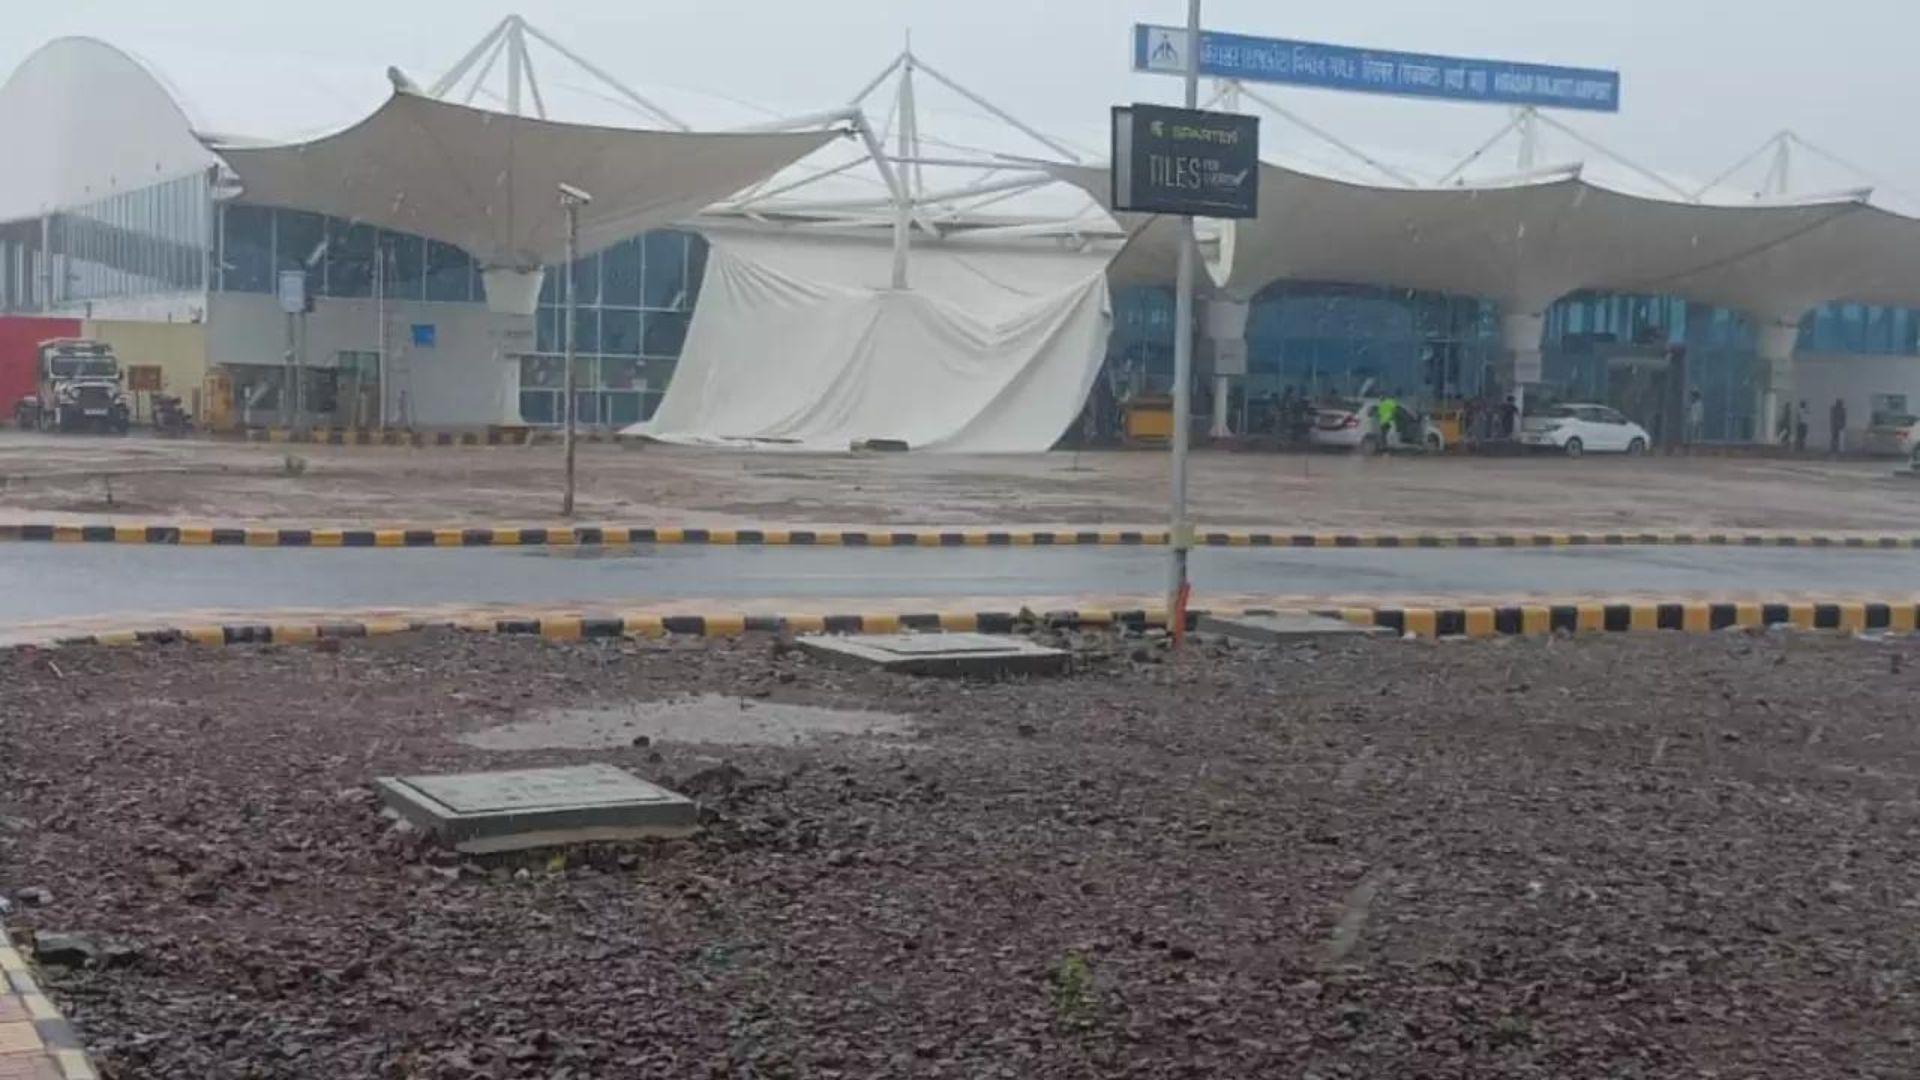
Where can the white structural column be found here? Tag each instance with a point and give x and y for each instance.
(1226, 327)
(1777, 339)
(1521, 354)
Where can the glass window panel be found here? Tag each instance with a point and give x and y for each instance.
(349, 259)
(1826, 328)
(546, 331)
(666, 269)
(1880, 329)
(1853, 319)
(696, 268)
(403, 272)
(586, 282)
(539, 406)
(620, 408)
(449, 275)
(296, 234)
(586, 330)
(620, 331)
(586, 407)
(620, 372)
(541, 372)
(620, 274)
(666, 333)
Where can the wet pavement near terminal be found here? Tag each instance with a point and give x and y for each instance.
(47, 582)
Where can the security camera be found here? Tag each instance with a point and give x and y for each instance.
(574, 194)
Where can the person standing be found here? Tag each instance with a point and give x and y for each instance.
(1696, 416)
(1509, 417)
(1801, 425)
(1836, 426)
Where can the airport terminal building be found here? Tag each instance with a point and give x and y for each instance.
(137, 234)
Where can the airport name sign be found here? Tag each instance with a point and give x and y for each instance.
(1161, 50)
(1185, 161)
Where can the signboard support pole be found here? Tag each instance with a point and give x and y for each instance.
(573, 232)
(287, 386)
(1179, 538)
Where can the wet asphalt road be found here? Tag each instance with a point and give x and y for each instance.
(53, 581)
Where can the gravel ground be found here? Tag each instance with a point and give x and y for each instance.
(1624, 858)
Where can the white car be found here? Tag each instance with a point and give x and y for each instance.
(1349, 424)
(1581, 429)
(1896, 436)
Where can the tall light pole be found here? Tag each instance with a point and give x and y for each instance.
(573, 199)
(1180, 533)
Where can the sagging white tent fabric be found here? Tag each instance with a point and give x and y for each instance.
(488, 182)
(798, 343)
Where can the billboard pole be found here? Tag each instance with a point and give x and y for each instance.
(1179, 533)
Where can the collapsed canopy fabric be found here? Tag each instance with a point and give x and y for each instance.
(797, 343)
(489, 182)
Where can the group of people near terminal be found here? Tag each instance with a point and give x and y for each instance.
(1793, 426)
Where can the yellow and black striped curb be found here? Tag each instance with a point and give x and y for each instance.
(421, 439)
(623, 535)
(1473, 621)
(44, 1034)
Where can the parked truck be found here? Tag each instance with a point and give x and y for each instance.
(78, 385)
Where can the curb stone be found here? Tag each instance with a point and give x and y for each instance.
(1689, 616)
(36, 1041)
(237, 535)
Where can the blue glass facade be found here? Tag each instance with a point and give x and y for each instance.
(632, 304)
(143, 242)
(1330, 339)
(633, 300)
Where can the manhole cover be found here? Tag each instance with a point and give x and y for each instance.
(529, 808)
(940, 654)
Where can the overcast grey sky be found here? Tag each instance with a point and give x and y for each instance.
(1704, 80)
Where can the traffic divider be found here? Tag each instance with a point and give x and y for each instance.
(1579, 617)
(241, 535)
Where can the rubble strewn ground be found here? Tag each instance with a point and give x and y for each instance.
(1632, 857)
(74, 477)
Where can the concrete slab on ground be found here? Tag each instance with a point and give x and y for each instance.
(1283, 628)
(533, 808)
(978, 655)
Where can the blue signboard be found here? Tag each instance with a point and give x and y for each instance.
(424, 336)
(1161, 50)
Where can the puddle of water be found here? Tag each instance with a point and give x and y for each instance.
(708, 718)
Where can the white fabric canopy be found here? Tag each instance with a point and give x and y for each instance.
(797, 343)
(82, 121)
(489, 182)
(1528, 244)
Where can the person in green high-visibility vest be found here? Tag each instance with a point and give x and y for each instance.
(1389, 413)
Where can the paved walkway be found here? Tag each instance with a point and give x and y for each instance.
(36, 1043)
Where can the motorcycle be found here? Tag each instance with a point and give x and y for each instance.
(169, 418)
